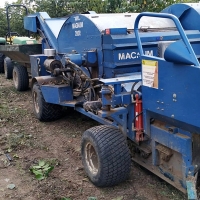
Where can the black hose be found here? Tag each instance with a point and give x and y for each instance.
(44, 37)
(88, 78)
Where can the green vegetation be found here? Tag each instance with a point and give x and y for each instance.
(41, 170)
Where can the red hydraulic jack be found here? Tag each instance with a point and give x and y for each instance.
(138, 119)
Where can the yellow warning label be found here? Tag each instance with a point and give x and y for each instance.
(150, 73)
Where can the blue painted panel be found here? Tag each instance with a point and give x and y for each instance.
(30, 23)
(133, 54)
(91, 57)
(37, 67)
(177, 141)
(110, 73)
(178, 93)
(78, 33)
(118, 31)
(57, 94)
(186, 14)
(182, 56)
(75, 58)
(121, 52)
(49, 27)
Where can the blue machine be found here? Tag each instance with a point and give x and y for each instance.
(92, 62)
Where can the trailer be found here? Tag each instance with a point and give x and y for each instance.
(2, 42)
(17, 61)
(14, 54)
(135, 74)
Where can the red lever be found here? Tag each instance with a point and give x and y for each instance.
(138, 119)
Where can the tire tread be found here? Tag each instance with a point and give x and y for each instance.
(48, 111)
(23, 79)
(113, 153)
(9, 65)
(2, 56)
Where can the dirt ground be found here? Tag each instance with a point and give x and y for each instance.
(24, 141)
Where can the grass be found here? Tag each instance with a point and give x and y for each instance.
(20, 140)
(8, 107)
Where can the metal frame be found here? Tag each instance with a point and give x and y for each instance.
(8, 20)
(180, 141)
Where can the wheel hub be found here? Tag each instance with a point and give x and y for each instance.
(91, 158)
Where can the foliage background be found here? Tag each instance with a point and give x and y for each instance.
(60, 8)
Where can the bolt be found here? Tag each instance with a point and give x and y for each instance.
(162, 102)
(162, 109)
(172, 116)
(157, 108)
(174, 95)
(158, 101)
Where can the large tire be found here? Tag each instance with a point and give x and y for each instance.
(20, 78)
(105, 156)
(1, 63)
(8, 68)
(44, 111)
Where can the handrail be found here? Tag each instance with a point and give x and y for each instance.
(178, 25)
(7, 14)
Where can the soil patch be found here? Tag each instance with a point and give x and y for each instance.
(24, 141)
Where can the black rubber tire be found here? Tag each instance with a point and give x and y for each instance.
(2, 56)
(44, 111)
(20, 78)
(111, 160)
(8, 68)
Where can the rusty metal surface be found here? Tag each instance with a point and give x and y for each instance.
(20, 53)
(165, 152)
(48, 80)
(155, 170)
(93, 106)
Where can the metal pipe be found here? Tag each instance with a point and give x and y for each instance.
(178, 25)
(8, 20)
